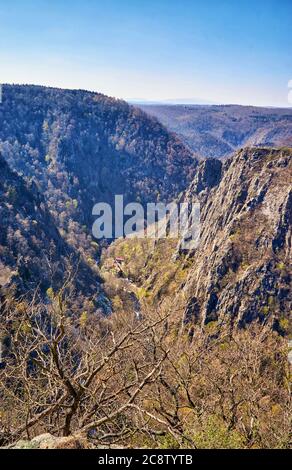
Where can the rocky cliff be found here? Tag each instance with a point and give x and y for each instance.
(241, 270)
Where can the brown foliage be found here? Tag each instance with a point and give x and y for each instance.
(140, 383)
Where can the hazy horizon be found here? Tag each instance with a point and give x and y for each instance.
(145, 102)
(157, 50)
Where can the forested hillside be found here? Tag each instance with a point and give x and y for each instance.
(33, 254)
(218, 131)
(77, 148)
(87, 146)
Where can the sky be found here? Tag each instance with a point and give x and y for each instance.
(217, 51)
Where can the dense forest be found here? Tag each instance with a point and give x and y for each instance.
(77, 148)
(33, 254)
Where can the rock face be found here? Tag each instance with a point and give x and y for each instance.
(47, 441)
(208, 175)
(241, 270)
(218, 131)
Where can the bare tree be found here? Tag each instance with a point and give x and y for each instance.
(139, 382)
(65, 375)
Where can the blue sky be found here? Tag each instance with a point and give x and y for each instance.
(224, 51)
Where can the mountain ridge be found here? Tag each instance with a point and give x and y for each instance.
(219, 130)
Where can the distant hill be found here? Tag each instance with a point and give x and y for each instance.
(218, 131)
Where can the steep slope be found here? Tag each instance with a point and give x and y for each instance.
(241, 270)
(32, 252)
(217, 131)
(26, 229)
(242, 267)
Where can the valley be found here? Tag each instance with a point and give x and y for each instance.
(138, 341)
